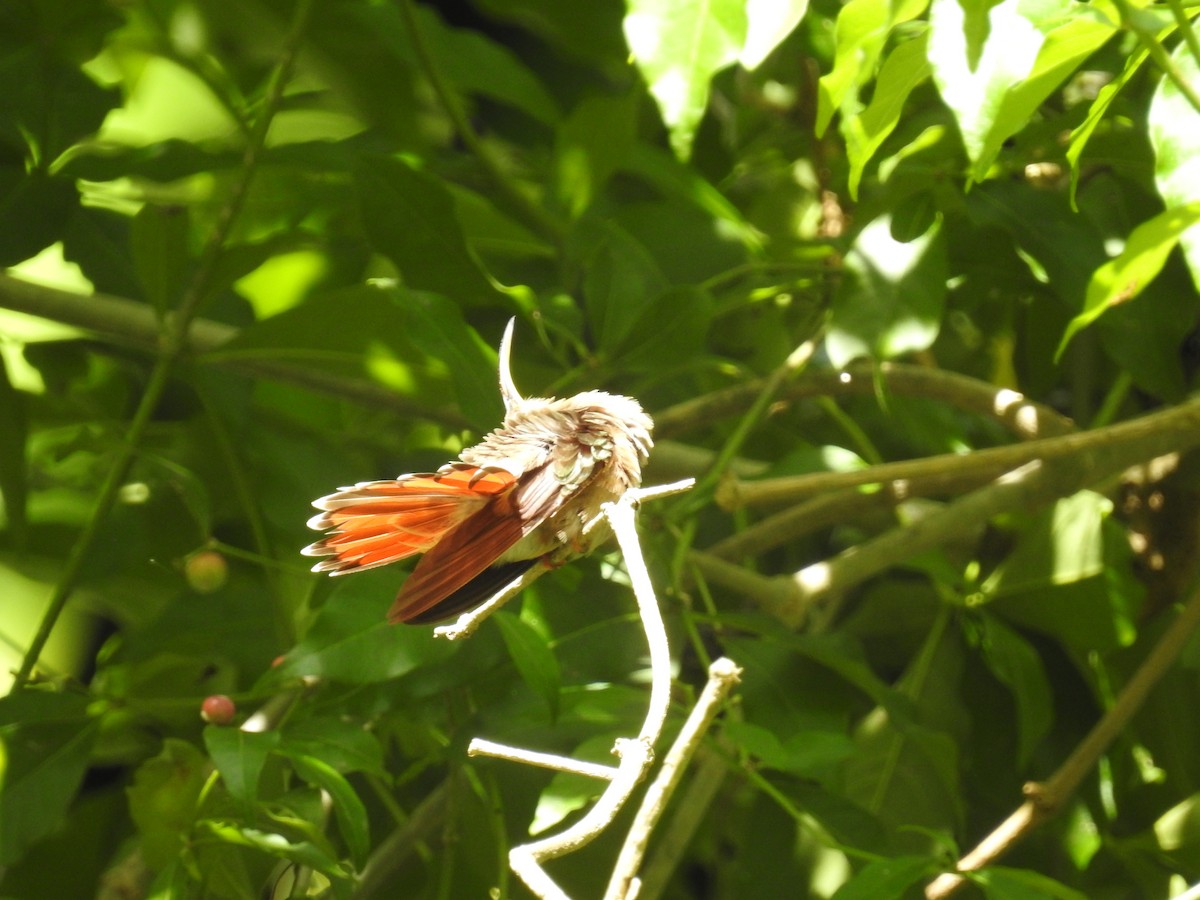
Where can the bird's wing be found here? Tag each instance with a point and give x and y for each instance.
(435, 588)
(379, 522)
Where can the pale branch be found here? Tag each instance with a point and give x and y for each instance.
(465, 625)
(480, 747)
(1046, 799)
(1178, 423)
(635, 755)
(1026, 419)
(130, 324)
(723, 674)
(689, 811)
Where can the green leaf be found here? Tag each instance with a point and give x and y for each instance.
(159, 243)
(1097, 112)
(889, 877)
(905, 69)
(1015, 55)
(860, 34)
(1003, 883)
(470, 60)
(620, 280)
(675, 179)
(45, 743)
(891, 300)
(437, 326)
(162, 799)
(350, 640)
(670, 330)
(1015, 662)
(1065, 545)
(590, 145)
(1121, 279)
(347, 807)
(1175, 134)
(409, 217)
(303, 852)
(533, 658)
(679, 45)
(342, 744)
(240, 756)
(808, 754)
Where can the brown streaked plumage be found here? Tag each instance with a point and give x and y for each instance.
(524, 492)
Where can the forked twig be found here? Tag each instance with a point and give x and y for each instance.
(635, 755)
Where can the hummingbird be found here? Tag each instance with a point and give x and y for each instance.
(522, 494)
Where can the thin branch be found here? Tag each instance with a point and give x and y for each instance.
(1181, 422)
(174, 342)
(708, 775)
(723, 674)
(1185, 27)
(135, 325)
(394, 850)
(465, 625)
(1132, 19)
(1023, 417)
(792, 597)
(1047, 799)
(837, 507)
(480, 747)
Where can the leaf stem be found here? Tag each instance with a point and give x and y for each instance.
(1129, 16)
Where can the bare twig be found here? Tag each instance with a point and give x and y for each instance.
(465, 625)
(635, 755)
(723, 674)
(1046, 799)
(480, 747)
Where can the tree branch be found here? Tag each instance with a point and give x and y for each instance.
(1025, 418)
(1181, 423)
(1046, 799)
(128, 323)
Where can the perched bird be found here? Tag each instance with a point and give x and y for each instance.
(524, 493)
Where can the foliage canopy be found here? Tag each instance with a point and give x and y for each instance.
(258, 250)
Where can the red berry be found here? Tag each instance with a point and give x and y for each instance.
(217, 709)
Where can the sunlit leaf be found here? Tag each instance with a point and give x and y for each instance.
(1123, 278)
(1175, 133)
(679, 45)
(904, 70)
(891, 299)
